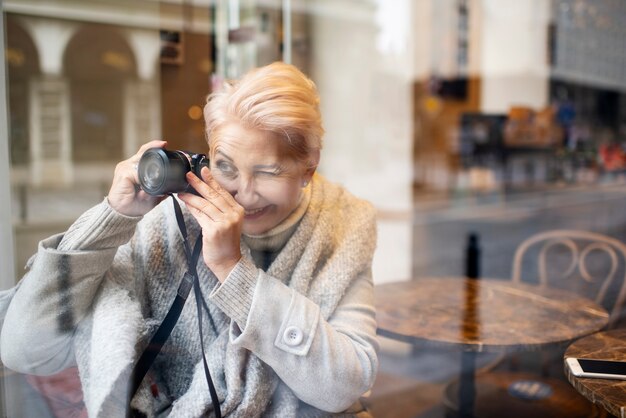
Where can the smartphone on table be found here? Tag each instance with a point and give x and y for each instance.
(597, 368)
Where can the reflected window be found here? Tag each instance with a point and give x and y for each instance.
(22, 66)
(98, 62)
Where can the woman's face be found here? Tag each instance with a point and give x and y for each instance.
(256, 170)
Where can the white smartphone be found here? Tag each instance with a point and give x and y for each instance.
(598, 368)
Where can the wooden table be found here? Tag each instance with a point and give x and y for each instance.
(482, 316)
(610, 394)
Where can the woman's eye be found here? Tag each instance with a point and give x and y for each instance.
(226, 168)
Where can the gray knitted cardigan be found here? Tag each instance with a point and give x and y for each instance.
(296, 340)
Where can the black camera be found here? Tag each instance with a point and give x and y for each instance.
(161, 171)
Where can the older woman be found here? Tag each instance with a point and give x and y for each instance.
(286, 270)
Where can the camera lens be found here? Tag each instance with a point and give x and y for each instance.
(161, 172)
(152, 174)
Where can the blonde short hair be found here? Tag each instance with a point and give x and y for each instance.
(277, 98)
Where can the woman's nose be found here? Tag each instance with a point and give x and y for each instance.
(245, 193)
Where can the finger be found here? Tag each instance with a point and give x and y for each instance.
(145, 197)
(202, 207)
(209, 192)
(211, 182)
(148, 145)
(126, 170)
(205, 222)
(132, 164)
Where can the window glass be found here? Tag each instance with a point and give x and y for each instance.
(488, 119)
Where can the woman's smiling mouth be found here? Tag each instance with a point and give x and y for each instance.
(255, 213)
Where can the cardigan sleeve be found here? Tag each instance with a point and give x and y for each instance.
(327, 364)
(57, 292)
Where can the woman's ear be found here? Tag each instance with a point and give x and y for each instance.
(314, 160)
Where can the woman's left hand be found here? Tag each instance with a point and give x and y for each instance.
(220, 218)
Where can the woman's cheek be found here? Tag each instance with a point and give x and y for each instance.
(284, 196)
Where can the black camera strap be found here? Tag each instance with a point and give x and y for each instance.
(190, 279)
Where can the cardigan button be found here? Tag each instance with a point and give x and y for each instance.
(292, 336)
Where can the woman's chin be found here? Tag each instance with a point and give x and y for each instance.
(255, 227)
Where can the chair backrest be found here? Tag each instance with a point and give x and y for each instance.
(596, 260)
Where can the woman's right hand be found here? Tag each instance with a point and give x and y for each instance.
(125, 196)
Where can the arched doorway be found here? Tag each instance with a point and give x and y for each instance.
(98, 62)
(22, 66)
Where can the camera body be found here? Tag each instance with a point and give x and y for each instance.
(162, 171)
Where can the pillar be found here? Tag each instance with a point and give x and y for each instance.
(49, 101)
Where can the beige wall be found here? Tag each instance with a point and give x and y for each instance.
(364, 71)
(514, 57)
